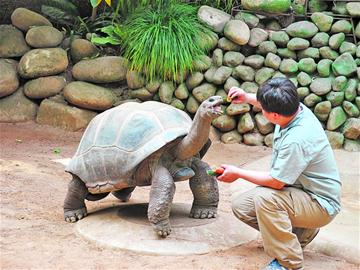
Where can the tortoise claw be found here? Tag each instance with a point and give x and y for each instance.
(75, 215)
(203, 212)
(162, 228)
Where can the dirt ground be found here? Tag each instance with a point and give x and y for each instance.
(35, 236)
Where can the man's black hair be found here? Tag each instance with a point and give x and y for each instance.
(278, 95)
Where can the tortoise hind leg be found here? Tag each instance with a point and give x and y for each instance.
(74, 204)
(123, 194)
(205, 190)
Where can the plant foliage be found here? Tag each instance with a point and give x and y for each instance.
(112, 36)
(62, 12)
(95, 3)
(161, 41)
(128, 6)
(225, 5)
(94, 26)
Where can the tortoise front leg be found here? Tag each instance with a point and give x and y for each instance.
(161, 195)
(74, 204)
(205, 190)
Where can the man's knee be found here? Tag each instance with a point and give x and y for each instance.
(243, 208)
(266, 196)
(238, 208)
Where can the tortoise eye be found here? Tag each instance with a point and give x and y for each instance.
(211, 99)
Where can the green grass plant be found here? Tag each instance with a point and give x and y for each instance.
(225, 5)
(161, 41)
(128, 6)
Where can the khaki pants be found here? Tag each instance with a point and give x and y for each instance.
(287, 219)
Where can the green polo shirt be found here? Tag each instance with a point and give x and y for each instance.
(302, 157)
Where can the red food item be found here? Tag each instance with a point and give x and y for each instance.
(219, 170)
(215, 172)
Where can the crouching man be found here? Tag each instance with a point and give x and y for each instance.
(301, 192)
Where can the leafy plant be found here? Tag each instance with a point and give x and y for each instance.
(109, 32)
(161, 41)
(95, 4)
(112, 37)
(62, 12)
(94, 26)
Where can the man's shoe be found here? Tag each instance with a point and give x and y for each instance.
(275, 265)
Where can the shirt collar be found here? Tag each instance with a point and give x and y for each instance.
(292, 123)
(296, 119)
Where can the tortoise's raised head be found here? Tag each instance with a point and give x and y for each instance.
(211, 107)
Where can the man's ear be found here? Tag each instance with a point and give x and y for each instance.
(275, 115)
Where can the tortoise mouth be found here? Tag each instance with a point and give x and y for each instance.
(216, 107)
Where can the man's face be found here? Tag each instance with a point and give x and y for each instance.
(271, 116)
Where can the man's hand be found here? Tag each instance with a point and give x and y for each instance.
(237, 95)
(229, 175)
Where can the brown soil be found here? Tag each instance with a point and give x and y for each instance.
(34, 235)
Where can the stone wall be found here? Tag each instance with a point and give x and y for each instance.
(8, 7)
(65, 83)
(43, 79)
(319, 56)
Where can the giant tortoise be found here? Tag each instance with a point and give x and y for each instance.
(145, 144)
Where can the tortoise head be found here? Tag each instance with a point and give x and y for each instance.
(210, 108)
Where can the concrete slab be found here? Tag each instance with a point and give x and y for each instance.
(126, 227)
(341, 237)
